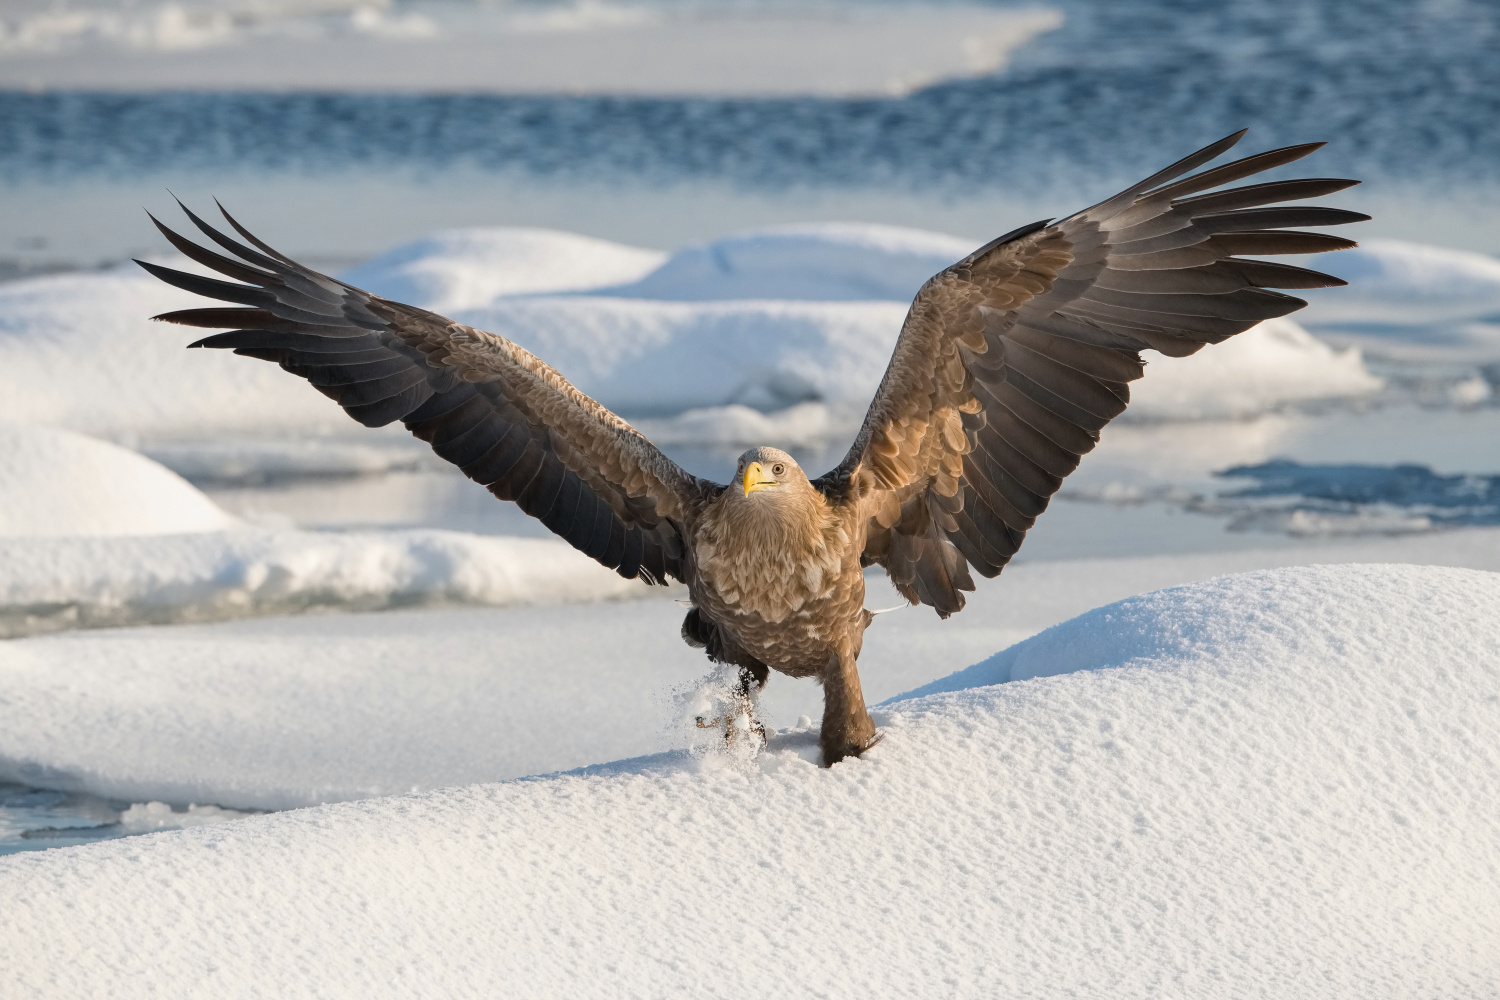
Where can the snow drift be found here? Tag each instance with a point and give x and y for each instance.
(766, 320)
(1284, 787)
(55, 482)
(1397, 282)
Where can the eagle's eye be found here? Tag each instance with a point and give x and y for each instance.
(778, 469)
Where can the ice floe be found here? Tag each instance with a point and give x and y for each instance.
(567, 48)
(80, 351)
(1281, 780)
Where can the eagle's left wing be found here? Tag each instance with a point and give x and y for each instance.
(1011, 361)
(503, 416)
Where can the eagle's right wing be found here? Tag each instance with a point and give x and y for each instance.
(503, 416)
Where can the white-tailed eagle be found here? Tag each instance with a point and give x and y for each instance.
(1009, 364)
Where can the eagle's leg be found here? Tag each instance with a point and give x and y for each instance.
(848, 730)
(750, 681)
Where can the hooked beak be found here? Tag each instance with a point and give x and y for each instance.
(756, 478)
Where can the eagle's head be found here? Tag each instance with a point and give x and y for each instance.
(769, 476)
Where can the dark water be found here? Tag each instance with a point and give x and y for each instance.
(1445, 501)
(1407, 90)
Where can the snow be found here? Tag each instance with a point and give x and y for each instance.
(275, 713)
(569, 48)
(55, 483)
(1273, 784)
(261, 461)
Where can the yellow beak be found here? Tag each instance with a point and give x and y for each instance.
(756, 478)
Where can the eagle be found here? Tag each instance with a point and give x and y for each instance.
(1008, 365)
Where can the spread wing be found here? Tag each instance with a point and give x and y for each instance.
(506, 419)
(1012, 360)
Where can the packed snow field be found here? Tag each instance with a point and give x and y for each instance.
(1272, 784)
(1282, 784)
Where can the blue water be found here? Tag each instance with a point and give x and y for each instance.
(1405, 90)
(1446, 501)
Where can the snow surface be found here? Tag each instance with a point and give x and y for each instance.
(275, 713)
(765, 320)
(1275, 784)
(55, 483)
(572, 48)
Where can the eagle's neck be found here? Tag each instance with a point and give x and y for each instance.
(772, 555)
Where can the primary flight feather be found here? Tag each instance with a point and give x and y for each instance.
(1009, 364)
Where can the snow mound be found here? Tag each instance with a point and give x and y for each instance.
(824, 262)
(468, 268)
(1288, 788)
(1272, 364)
(57, 483)
(62, 583)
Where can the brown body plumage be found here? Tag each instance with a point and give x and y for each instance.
(1009, 364)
